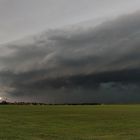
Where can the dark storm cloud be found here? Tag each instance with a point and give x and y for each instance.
(99, 64)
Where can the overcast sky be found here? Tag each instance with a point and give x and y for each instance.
(20, 18)
(69, 58)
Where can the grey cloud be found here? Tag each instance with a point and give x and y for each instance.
(65, 63)
(20, 18)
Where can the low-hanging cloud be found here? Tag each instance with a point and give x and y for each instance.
(99, 64)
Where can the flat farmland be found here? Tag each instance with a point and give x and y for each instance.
(69, 122)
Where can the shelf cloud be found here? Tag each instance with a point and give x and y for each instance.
(75, 64)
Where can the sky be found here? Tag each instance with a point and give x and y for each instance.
(68, 51)
(20, 18)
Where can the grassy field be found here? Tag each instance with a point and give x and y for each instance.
(104, 122)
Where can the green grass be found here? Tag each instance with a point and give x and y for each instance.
(105, 122)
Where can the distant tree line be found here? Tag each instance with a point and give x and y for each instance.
(35, 103)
